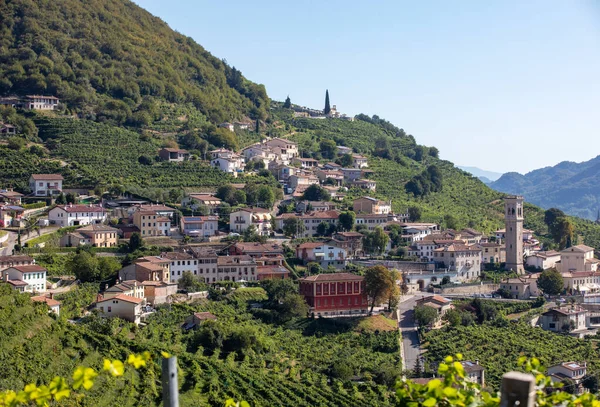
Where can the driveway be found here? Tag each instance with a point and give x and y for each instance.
(408, 330)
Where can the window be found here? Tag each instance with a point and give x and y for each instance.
(109, 309)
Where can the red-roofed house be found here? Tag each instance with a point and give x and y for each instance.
(17, 260)
(46, 184)
(121, 306)
(334, 294)
(76, 215)
(31, 278)
(311, 221)
(51, 302)
(243, 218)
(440, 304)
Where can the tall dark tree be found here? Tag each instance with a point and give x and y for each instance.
(327, 107)
(288, 103)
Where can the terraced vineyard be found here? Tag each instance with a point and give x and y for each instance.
(100, 153)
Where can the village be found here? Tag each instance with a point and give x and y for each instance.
(314, 235)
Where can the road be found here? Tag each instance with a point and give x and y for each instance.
(7, 247)
(408, 330)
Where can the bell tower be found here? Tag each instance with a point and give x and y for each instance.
(513, 219)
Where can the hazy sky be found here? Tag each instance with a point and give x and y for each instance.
(501, 85)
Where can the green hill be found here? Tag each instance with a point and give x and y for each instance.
(103, 57)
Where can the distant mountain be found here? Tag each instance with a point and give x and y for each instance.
(572, 187)
(483, 175)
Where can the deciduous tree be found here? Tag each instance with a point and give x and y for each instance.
(378, 284)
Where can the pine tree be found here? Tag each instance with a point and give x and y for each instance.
(327, 107)
(288, 103)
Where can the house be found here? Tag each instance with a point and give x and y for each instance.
(173, 154)
(351, 174)
(46, 184)
(543, 260)
(227, 161)
(336, 176)
(582, 282)
(198, 201)
(10, 196)
(371, 221)
(316, 206)
(334, 294)
(305, 163)
(272, 272)
(161, 210)
(151, 268)
(50, 302)
(578, 258)
(199, 226)
(465, 260)
(39, 102)
(235, 268)
(180, 262)
(121, 306)
(7, 129)
(332, 166)
(158, 292)
(522, 287)
(282, 171)
(571, 375)
(352, 242)
(151, 223)
(29, 279)
(413, 232)
(197, 318)
(12, 215)
(471, 236)
(369, 205)
(15, 260)
(302, 180)
(256, 250)
(359, 161)
(131, 288)
(492, 253)
(96, 235)
(341, 150)
(440, 304)
(474, 372)
(564, 319)
(76, 215)
(207, 263)
(311, 220)
(284, 146)
(369, 184)
(228, 126)
(324, 253)
(243, 218)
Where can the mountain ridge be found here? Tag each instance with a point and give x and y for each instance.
(568, 185)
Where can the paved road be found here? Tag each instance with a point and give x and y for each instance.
(408, 330)
(7, 247)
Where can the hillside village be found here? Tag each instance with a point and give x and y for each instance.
(156, 206)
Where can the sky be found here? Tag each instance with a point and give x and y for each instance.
(503, 85)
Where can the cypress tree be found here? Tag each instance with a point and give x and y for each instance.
(288, 103)
(327, 107)
(257, 129)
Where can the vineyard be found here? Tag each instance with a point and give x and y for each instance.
(498, 348)
(262, 363)
(104, 154)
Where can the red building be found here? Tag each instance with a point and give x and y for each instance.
(334, 294)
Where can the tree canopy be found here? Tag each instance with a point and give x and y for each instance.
(551, 282)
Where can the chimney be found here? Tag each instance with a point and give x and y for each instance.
(477, 361)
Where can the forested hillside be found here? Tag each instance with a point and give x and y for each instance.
(104, 57)
(572, 187)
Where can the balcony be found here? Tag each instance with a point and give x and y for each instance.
(242, 221)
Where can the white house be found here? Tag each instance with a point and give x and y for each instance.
(241, 220)
(359, 161)
(199, 226)
(283, 146)
(543, 260)
(570, 374)
(564, 319)
(76, 215)
(325, 253)
(46, 184)
(28, 279)
(180, 263)
(121, 306)
(231, 165)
